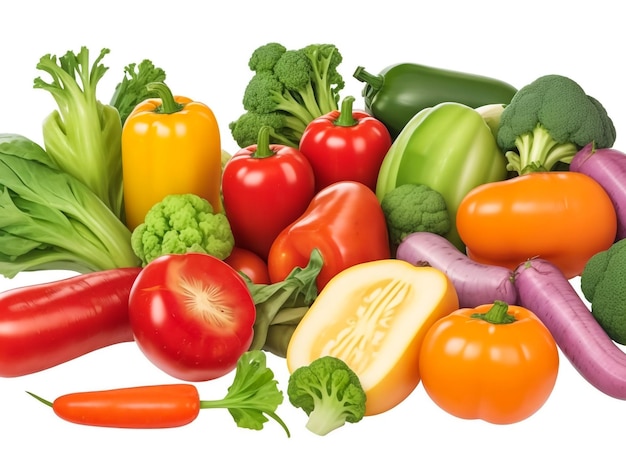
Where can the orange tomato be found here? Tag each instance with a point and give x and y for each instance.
(500, 365)
(249, 263)
(561, 216)
(374, 316)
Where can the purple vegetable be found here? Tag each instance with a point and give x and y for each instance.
(607, 166)
(543, 289)
(476, 284)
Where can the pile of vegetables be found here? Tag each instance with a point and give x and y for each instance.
(395, 232)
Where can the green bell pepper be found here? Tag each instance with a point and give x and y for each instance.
(402, 90)
(448, 147)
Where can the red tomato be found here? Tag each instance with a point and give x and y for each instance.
(192, 315)
(249, 263)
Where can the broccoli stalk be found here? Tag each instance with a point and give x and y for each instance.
(83, 136)
(329, 392)
(548, 121)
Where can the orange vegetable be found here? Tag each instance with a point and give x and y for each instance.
(495, 362)
(170, 145)
(373, 316)
(560, 216)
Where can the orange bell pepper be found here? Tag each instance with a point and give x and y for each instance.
(495, 362)
(344, 221)
(170, 145)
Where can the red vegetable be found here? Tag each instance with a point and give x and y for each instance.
(345, 145)
(192, 315)
(475, 283)
(608, 167)
(544, 289)
(250, 264)
(45, 325)
(265, 188)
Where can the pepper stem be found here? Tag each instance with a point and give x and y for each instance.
(362, 75)
(263, 148)
(346, 119)
(168, 104)
(498, 314)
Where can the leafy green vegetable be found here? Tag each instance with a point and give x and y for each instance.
(410, 208)
(83, 136)
(548, 121)
(253, 394)
(294, 86)
(133, 89)
(329, 392)
(51, 220)
(182, 223)
(603, 283)
(284, 302)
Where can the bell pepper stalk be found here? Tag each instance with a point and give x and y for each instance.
(170, 145)
(265, 187)
(344, 221)
(345, 145)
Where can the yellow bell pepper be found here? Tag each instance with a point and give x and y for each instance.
(374, 317)
(170, 145)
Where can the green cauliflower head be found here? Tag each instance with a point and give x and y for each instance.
(410, 208)
(182, 223)
(603, 283)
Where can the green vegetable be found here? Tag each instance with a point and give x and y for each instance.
(51, 220)
(284, 129)
(281, 305)
(402, 90)
(603, 283)
(83, 136)
(449, 148)
(182, 223)
(133, 89)
(329, 392)
(410, 208)
(548, 121)
(295, 86)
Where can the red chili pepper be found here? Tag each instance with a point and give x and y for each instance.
(252, 398)
(265, 188)
(345, 145)
(48, 324)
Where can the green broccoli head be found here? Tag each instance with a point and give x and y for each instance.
(264, 57)
(329, 392)
(603, 283)
(410, 208)
(285, 129)
(548, 121)
(182, 223)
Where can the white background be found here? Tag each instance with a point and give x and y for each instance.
(204, 50)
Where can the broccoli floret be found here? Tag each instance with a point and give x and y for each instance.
(299, 84)
(410, 208)
(182, 223)
(285, 129)
(603, 283)
(548, 121)
(264, 57)
(329, 392)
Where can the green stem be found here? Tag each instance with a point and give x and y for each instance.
(263, 149)
(362, 75)
(498, 314)
(168, 104)
(346, 119)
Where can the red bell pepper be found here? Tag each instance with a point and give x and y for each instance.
(265, 187)
(345, 145)
(344, 221)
